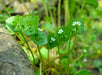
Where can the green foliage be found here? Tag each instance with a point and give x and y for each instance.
(37, 72)
(62, 34)
(40, 38)
(29, 24)
(100, 70)
(93, 3)
(44, 53)
(52, 41)
(47, 19)
(30, 56)
(97, 63)
(48, 27)
(64, 62)
(83, 72)
(12, 23)
(73, 25)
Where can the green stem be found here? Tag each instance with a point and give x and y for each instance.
(66, 7)
(68, 52)
(45, 7)
(5, 8)
(41, 59)
(82, 9)
(59, 53)
(53, 22)
(78, 58)
(59, 12)
(48, 55)
(40, 68)
(2, 15)
(54, 13)
(48, 52)
(28, 47)
(74, 54)
(25, 6)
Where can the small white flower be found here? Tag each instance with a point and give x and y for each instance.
(76, 23)
(40, 29)
(60, 31)
(79, 23)
(53, 39)
(85, 60)
(85, 51)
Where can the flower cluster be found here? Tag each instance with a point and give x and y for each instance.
(76, 23)
(40, 29)
(60, 31)
(85, 60)
(52, 39)
(85, 51)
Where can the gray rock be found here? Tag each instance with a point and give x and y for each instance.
(13, 60)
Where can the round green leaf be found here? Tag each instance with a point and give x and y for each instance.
(62, 34)
(52, 41)
(83, 72)
(75, 24)
(44, 53)
(12, 23)
(29, 24)
(39, 38)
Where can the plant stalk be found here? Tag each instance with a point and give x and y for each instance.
(2, 15)
(45, 7)
(5, 8)
(28, 48)
(41, 59)
(68, 55)
(59, 13)
(67, 14)
(81, 9)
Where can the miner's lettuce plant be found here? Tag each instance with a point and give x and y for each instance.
(27, 26)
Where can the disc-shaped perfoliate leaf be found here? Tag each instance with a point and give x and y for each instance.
(40, 38)
(83, 72)
(62, 34)
(75, 24)
(29, 24)
(52, 41)
(93, 3)
(44, 53)
(12, 23)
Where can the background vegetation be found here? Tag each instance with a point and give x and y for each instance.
(53, 14)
